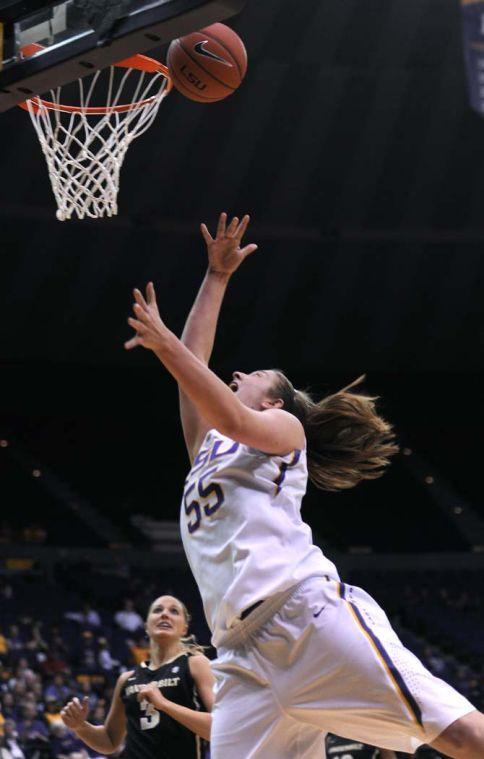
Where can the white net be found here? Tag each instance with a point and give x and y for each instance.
(85, 146)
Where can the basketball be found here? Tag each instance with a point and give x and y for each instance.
(208, 65)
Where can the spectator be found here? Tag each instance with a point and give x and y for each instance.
(23, 672)
(106, 661)
(87, 657)
(57, 654)
(19, 690)
(14, 640)
(11, 740)
(86, 691)
(57, 689)
(36, 643)
(64, 743)
(36, 689)
(30, 727)
(88, 617)
(129, 619)
(9, 710)
(30, 699)
(139, 649)
(99, 714)
(52, 712)
(4, 678)
(56, 643)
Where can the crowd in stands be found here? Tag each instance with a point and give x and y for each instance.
(43, 664)
(55, 645)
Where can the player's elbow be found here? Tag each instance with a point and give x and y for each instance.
(113, 742)
(111, 745)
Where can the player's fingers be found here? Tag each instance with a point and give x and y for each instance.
(241, 229)
(139, 298)
(133, 343)
(150, 294)
(141, 314)
(232, 226)
(222, 220)
(249, 249)
(206, 234)
(138, 326)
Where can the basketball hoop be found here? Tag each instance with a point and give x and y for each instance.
(85, 145)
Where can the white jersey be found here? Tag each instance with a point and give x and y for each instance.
(242, 529)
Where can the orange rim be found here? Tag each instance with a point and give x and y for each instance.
(137, 61)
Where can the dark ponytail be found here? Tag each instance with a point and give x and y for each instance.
(348, 441)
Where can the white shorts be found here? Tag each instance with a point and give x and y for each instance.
(326, 660)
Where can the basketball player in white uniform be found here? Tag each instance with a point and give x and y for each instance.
(300, 653)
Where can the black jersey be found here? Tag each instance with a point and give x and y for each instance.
(152, 734)
(345, 748)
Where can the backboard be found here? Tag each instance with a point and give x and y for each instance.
(75, 41)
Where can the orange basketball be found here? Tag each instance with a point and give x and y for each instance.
(207, 65)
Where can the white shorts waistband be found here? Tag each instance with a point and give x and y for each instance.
(241, 630)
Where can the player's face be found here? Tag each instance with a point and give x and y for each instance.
(166, 619)
(254, 389)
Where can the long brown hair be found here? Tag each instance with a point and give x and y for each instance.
(348, 441)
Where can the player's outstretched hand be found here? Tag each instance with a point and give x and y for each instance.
(225, 253)
(147, 323)
(74, 714)
(152, 694)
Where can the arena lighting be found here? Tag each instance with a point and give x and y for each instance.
(429, 480)
(36, 473)
(458, 509)
(407, 451)
(3, 443)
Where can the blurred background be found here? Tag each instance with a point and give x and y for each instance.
(353, 146)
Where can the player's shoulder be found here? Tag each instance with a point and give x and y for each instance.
(291, 423)
(198, 664)
(124, 677)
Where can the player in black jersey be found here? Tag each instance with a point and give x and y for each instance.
(344, 748)
(162, 707)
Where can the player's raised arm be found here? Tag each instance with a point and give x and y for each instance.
(104, 739)
(270, 429)
(225, 255)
